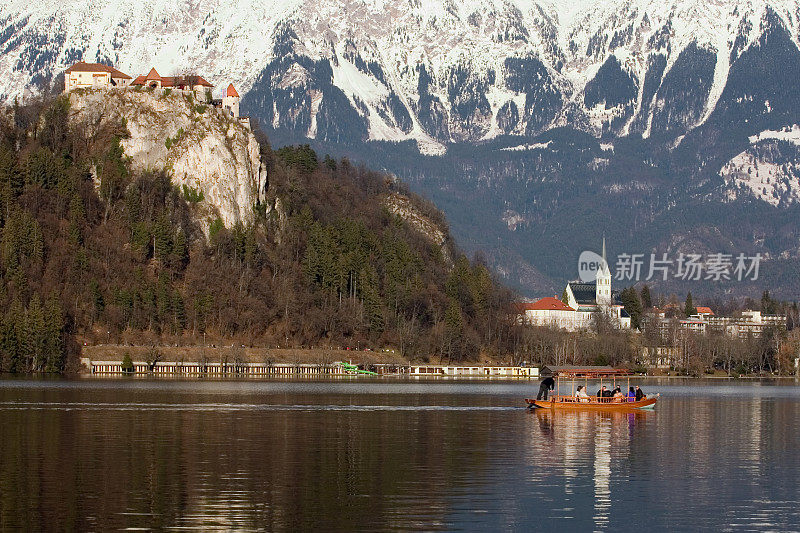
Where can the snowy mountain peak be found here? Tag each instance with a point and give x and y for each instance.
(436, 71)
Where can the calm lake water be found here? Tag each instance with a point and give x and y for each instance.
(98, 455)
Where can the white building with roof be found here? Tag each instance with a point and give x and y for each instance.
(83, 74)
(592, 296)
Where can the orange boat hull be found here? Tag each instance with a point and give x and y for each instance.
(569, 402)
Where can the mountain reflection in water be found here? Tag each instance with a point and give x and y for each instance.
(388, 455)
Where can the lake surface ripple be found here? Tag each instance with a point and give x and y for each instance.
(106, 454)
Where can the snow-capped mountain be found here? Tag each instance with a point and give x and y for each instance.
(435, 71)
(670, 126)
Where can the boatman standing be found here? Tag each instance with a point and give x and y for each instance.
(545, 386)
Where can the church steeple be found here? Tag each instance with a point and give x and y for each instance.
(603, 283)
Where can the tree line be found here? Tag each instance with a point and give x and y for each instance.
(94, 252)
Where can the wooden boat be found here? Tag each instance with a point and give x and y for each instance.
(575, 374)
(557, 401)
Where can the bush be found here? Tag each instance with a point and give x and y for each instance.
(170, 142)
(167, 92)
(192, 195)
(200, 109)
(215, 227)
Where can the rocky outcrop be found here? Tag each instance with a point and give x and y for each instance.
(196, 144)
(403, 207)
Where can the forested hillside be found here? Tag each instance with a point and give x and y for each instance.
(93, 252)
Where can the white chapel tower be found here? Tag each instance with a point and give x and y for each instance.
(603, 283)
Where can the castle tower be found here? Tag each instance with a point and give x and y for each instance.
(153, 79)
(603, 283)
(230, 102)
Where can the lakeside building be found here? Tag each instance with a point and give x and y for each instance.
(749, 324)
(552, 312)
(581, 301)
(268, 370)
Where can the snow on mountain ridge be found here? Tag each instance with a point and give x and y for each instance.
(382, 51)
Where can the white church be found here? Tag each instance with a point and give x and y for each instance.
(581, 300)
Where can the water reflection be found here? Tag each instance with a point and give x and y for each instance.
(387, 457)
(582, 440)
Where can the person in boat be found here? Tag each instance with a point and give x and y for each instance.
(602, 392)
(631, 395)
(581, 395)
(640, 395)
(545, 387)
(617, 395)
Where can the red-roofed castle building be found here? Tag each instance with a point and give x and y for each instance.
(230, 102)
(83, 74)
(187, 82)
(103, 76)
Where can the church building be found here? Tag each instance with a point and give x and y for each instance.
(597, 295)
(581, 300)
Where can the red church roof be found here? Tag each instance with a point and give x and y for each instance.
(231, 91)
(548, 303)
(153, 75)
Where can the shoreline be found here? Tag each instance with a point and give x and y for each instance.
(232, 356)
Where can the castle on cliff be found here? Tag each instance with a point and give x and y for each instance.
(97, 75)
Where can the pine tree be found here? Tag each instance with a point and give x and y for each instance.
(162, 240)
(250, 247)
(164, 299)
(180, 252)
(127, 364)
(54, 335)
(77, 217)
(768, 305)
(12, 338)
(140, 239)
(96, 296)
(179, 310)
(688, 308)
(630, 300)
(133, 204)
(481, 288)
(371, 299)
(11, 181)
(454, 327)
(43, 168)
(565, 297)
(647, 301)
(35, 335)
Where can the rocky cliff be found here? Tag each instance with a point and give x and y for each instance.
(404, 207)
(196, 144)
